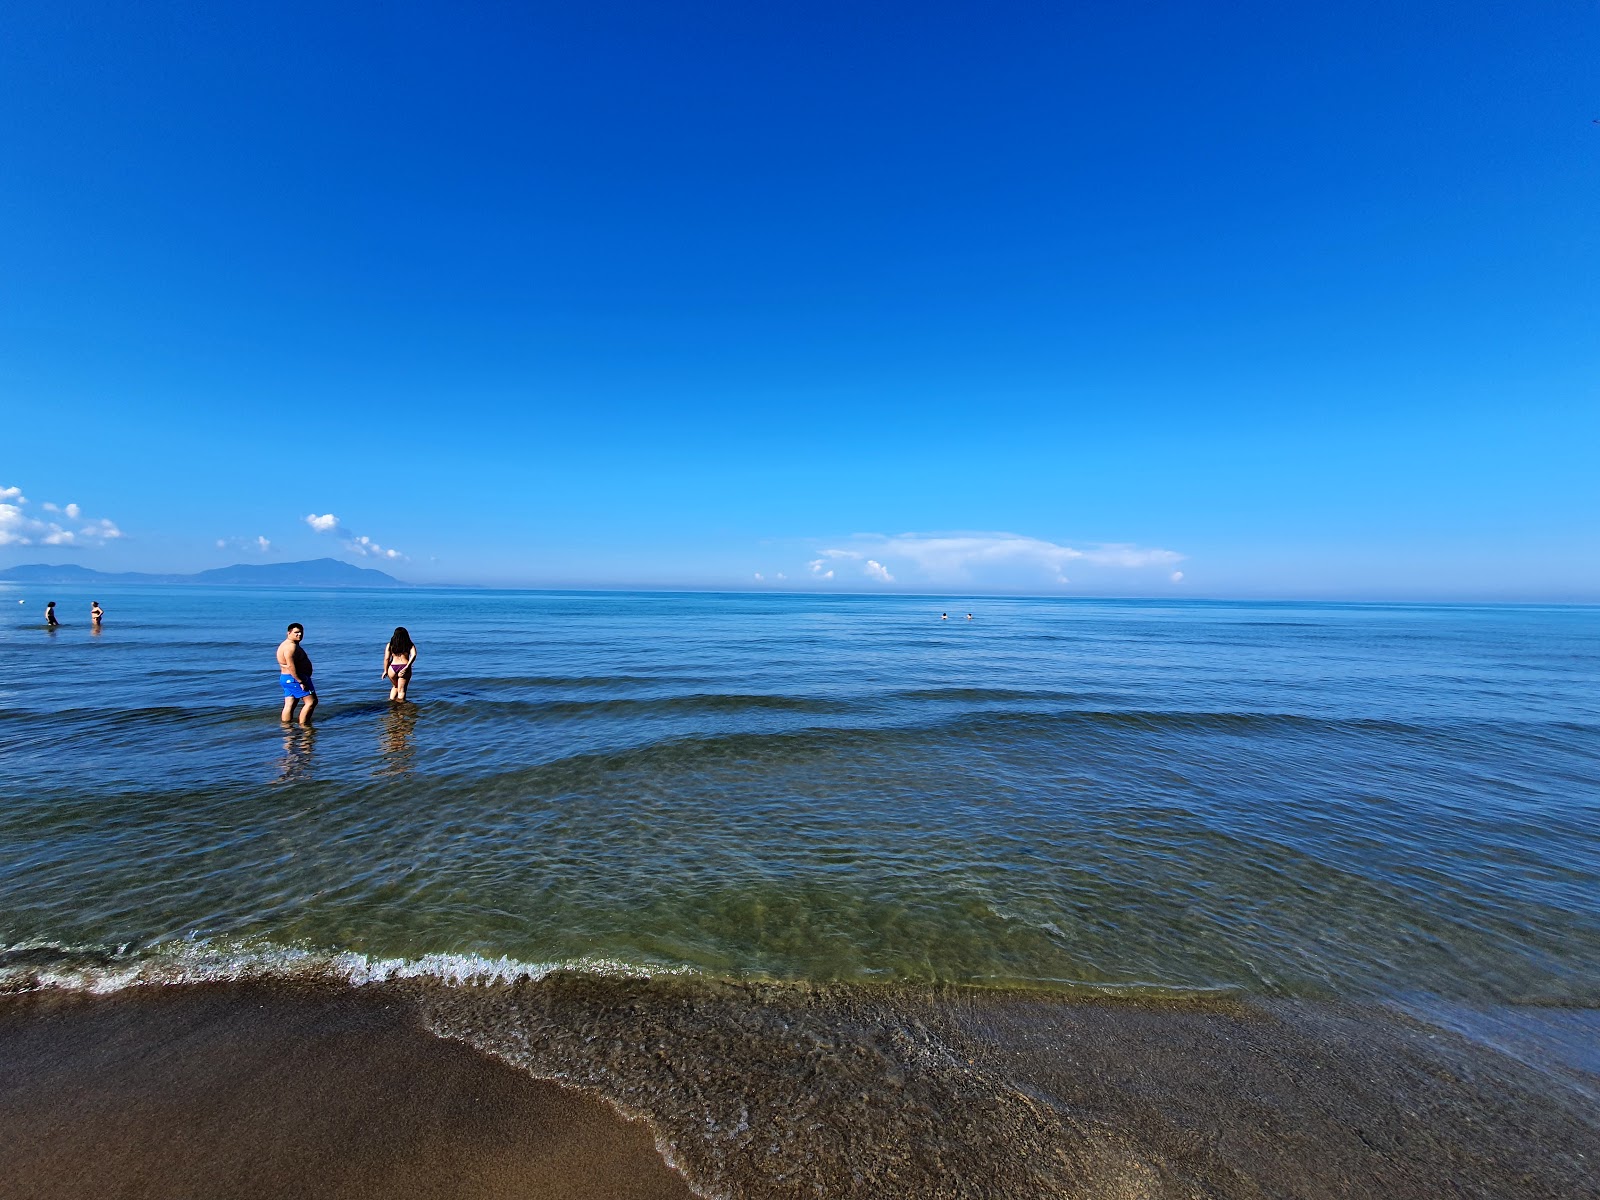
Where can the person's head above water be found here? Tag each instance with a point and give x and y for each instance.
(400, 640)
(295, 627)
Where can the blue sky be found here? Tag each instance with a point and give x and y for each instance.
(1282, 300)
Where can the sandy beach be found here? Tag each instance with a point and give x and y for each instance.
(272, 1090)
(274, 1093)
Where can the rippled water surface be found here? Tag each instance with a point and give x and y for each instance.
(1279, 799)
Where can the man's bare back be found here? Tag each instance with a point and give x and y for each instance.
(292, 660)
(294, 672)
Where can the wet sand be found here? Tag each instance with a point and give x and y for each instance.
(267, 1093)
(1314, 1101)
(420, 1089)
(783, 1090)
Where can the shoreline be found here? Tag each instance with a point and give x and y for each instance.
(418, 1088)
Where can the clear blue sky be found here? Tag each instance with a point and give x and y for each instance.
(1294, 300)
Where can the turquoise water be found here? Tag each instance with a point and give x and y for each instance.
(1271, 799)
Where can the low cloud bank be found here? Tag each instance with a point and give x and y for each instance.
(992, 559)
(64, 526)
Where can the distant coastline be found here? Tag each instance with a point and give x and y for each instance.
(334, 573)
(316, 572)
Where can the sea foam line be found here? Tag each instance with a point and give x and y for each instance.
(204, 962)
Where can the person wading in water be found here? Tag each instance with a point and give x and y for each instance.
(398, 656)
(294, 672)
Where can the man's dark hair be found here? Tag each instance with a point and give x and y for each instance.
(293, 625)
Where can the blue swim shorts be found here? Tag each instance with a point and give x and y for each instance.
(293, 690)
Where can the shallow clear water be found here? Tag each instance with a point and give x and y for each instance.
(1291, 799)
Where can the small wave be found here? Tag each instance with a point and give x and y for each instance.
(719, 702)
(578, 682)
(115, 718)
(989, 725)
(759, 750)
(1276, 625)
(102, 970)
(980, 695)
(491, 706)
(1211, 721)
(978, 720)
(54, 955)
(47, 966)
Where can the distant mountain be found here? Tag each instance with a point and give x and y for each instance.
(65, 573)
(318, 572)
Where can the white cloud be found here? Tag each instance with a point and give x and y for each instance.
(355, 543)
(1130, 556)
(983, 557)
(18, 528)
(257, 544)
(1177, 577)
(103, 529)
(760, 578)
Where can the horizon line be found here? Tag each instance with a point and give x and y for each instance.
(840, 593)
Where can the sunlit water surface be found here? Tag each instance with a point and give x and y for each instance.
(1278, 799)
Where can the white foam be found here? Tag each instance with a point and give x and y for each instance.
(456, 969)
(207, 962)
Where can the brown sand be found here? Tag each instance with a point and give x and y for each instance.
(766, 1092)
(251, 1092)
(1313, 1101)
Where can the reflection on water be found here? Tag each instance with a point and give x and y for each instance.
(395, 743)
(1294, 800)
(299, 743)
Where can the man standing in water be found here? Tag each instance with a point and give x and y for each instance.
(294, 672)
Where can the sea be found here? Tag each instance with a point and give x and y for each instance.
(877, 817)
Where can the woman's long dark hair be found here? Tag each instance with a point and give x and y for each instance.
(400, 641)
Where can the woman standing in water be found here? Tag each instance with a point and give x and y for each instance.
(398, 656)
